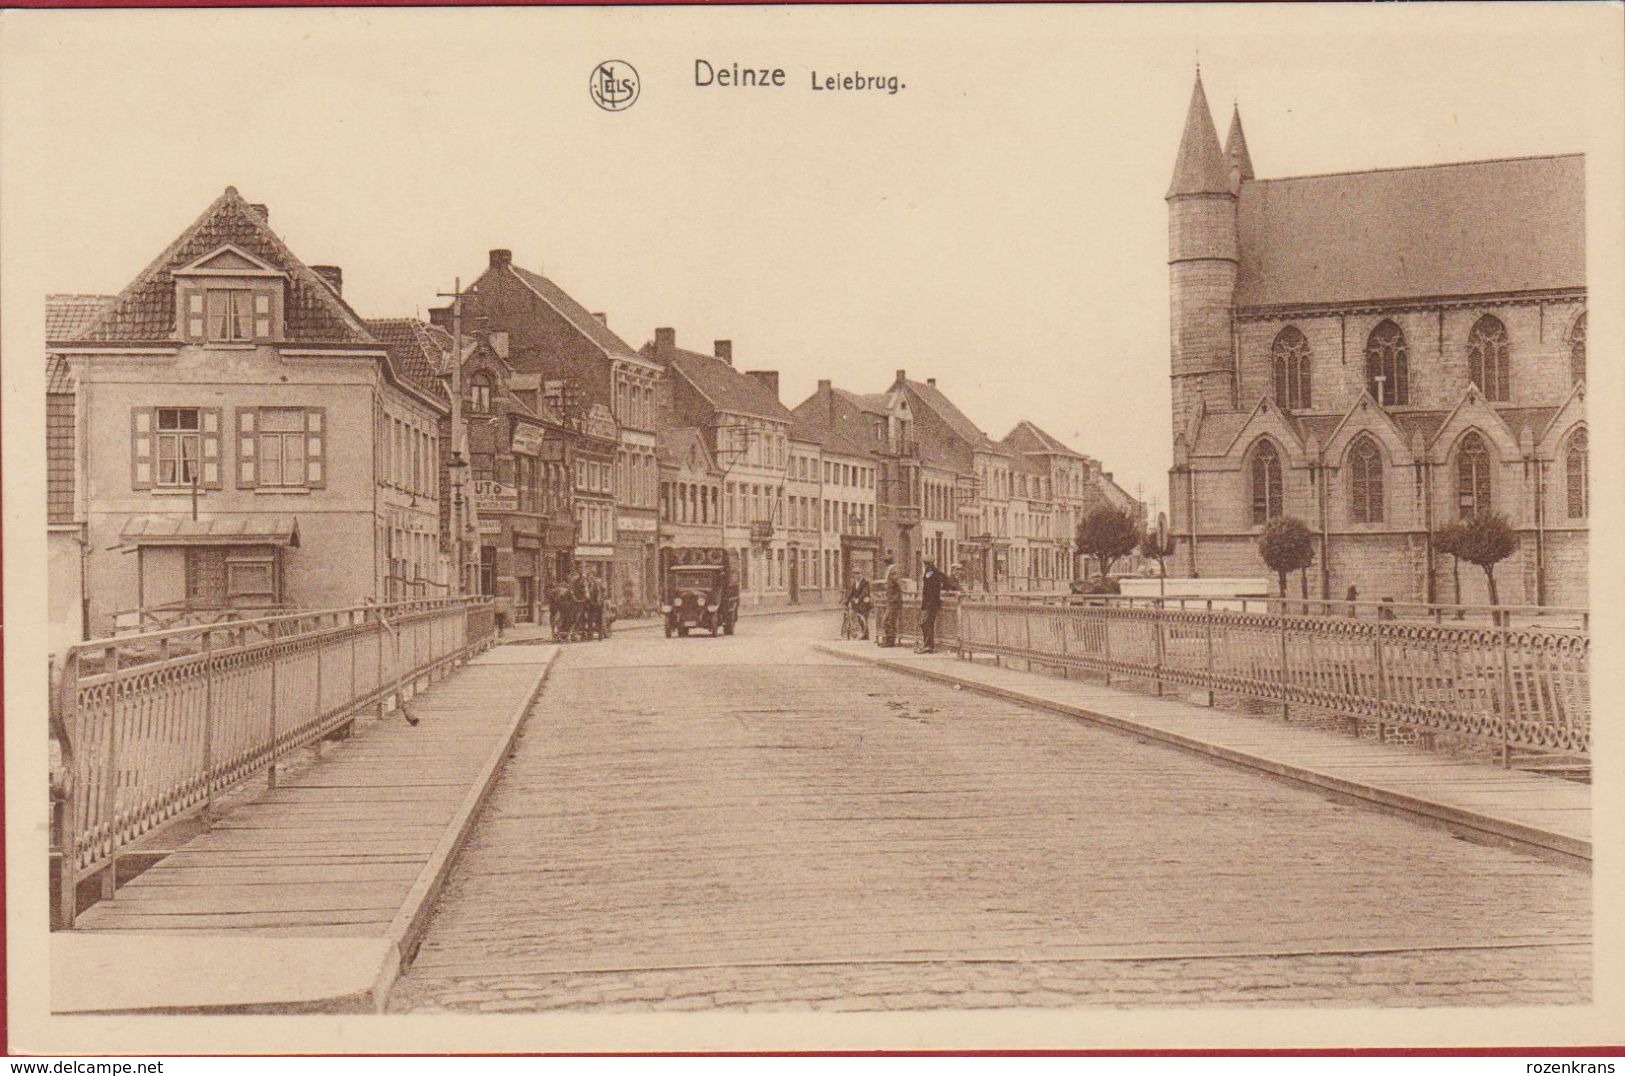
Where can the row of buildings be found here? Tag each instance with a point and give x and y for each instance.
(1378, 353)
(229, 434)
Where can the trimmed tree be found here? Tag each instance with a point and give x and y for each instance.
(1106, 534)
(1447, 540)
(1286, 545)
(1486, 540)
(1151, 549)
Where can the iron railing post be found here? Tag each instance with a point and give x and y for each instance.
(276, 657)
(1207, 619)
(1382, 686)
(110, 782)
(1156, 626)
(1286, 713)
(67, 703)
(1507, 707)
(207, 816)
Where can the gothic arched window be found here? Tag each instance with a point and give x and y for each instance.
(479, 394)
(1365, 481)
(1472, 477)
(1577, 464)
(1577, 349)
(1289, 356)
(1387, 365)
(1265, 477)
(1487, 358)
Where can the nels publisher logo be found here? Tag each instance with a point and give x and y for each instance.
(614, 85)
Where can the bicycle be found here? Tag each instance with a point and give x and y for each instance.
(852, 624)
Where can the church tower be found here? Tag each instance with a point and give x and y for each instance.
(1202, 257)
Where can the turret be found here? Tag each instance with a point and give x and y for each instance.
(1202, 266)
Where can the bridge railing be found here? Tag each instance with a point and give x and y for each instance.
(152, 727)
(1516, 679)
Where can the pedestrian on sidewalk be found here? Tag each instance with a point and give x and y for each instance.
(932, 585)
(892, 592)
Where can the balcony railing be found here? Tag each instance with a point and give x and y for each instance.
(151, 727)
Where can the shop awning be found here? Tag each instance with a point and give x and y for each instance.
(217, 528)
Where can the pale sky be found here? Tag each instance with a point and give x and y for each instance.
(999, 224)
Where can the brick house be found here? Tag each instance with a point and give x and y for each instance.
(553, 338)
(848, 521)
(240, 440)
(1378, 353)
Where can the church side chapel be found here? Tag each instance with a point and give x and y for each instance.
(1379, 354)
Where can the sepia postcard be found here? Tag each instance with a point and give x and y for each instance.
(812, 527)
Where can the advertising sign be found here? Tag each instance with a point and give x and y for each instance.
(492, 496)
(527, 439)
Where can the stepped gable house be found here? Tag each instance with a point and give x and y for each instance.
(239, 439)
(1378, 353)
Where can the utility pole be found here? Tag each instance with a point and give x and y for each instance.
(457, 466)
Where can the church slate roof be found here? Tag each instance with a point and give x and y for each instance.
(145, 310)
(1474, 228)
(1200, 166)
(1235, 146)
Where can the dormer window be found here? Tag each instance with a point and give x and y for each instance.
(479, 390)
(229, 297)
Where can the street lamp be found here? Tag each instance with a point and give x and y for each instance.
(458, 466)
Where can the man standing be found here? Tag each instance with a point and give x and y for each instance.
(892, 591)
(932, 585)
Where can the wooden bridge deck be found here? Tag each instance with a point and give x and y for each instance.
(344, 848)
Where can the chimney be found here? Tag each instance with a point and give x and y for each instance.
(262, 210)
(665, 344)
(768, 378)
(724, 350)
(501, 258)
(333, 275)
(499, 343)
(603, 318)
(931, 381)
(902, 376)
(824, 385)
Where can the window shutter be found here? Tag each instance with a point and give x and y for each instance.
(141, 437)
(262, 317)
(210, 438)
(316, 447)
(247, 461)
(194, 315)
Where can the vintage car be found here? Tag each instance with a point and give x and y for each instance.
(699, 596)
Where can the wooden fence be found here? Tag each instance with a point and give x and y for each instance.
(152, 727)
(1488, 677)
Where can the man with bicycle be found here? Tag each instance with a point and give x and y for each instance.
(858, 604)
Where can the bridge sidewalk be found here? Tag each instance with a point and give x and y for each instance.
(1546, 814)
(309, 897)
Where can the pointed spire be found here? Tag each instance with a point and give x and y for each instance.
(1200, 167)
(1235, 147)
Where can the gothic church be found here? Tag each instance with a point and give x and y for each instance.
(1378, 353)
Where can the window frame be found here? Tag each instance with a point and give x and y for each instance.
(1577, 495)
(1366, 480)
(1291, 369)
(1266, 498)
(1475, 476)
(1489, 358)
(1388, 356)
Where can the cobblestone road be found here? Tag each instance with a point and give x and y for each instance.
(746, 823)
